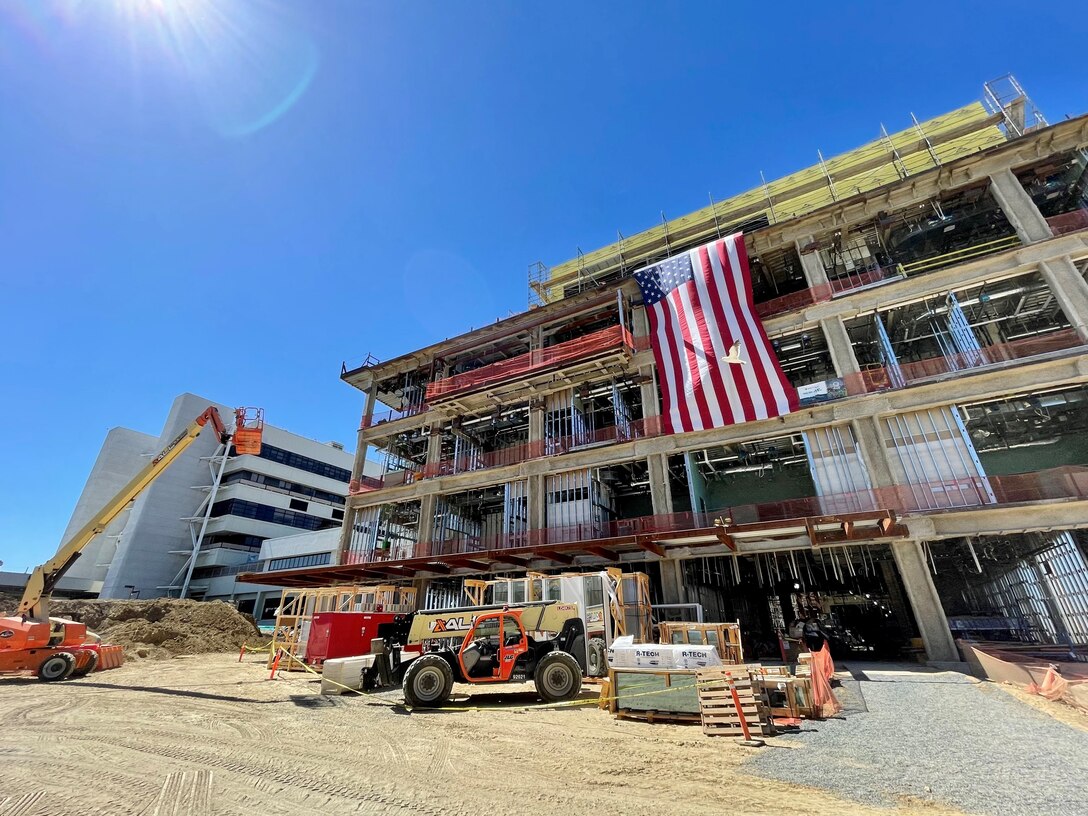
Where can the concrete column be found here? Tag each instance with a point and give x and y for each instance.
(538, 507)
(536, 421)
(1018, 207)
(672, 581)
(648, 390)
(924, 601)
(434, 447)
(1070, 289)
(640, 324)
(874, 453)
(660, 490)
(899, 604)
(345, 531)
(362, 448)
(427, 506)
(813, 267)
(838, 343)
(420, 585)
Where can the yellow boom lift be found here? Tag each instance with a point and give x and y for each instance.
(55, 648)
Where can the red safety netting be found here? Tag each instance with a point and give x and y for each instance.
(638, 429)
(793, 301)
(378, 417)
(561, 354)
(823, 669)
(1054, 484)
(859, 279)
(1053, 687)
(1068, 222)
(880, 378)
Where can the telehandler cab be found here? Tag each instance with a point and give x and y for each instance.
(491, 644)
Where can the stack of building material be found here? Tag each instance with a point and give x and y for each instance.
(719, 709)
(724, 636)
(344, 673)
(624, 654)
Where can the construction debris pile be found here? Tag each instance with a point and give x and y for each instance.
(160, 628)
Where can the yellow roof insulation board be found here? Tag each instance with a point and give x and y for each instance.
(873, 165)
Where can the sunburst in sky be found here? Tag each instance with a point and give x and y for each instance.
(247, 62)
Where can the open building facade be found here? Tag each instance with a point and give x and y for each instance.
(925, 294)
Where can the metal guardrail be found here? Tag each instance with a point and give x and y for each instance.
(1055, 484)
(960, 255)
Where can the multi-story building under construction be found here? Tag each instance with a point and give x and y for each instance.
(926, 296)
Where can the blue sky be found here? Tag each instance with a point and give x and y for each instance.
(231, 197)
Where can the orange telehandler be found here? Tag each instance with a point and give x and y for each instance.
(55, 648)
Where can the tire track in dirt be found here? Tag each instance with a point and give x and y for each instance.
(292, 777)
(393, 750)
(184, 793)
(82, 762)
(440, 763)
(20, 806)
(49, 714)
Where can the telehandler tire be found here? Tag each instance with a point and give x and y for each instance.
(92, 664)
(57, 666)
(597, 658)
(428, 682)
(557, 677)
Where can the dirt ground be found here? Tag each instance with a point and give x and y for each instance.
(1060, 711)
(160, 628)
(207, 735)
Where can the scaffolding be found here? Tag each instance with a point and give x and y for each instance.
(923, 146)
(298, 607)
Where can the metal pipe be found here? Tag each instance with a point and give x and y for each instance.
(204, 522)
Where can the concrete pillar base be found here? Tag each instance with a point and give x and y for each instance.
(924, 601)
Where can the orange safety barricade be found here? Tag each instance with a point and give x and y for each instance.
(109, 657)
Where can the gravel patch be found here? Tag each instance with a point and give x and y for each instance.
(938, 736)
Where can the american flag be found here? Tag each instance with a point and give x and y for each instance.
(701, 318)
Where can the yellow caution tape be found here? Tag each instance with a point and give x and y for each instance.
(255, 649)
(564, 704)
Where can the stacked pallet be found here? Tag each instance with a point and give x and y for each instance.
(718, 704)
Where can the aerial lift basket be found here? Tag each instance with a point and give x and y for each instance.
(248, 428)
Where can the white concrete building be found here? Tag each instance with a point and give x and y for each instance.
(219, 583)
(294, 485)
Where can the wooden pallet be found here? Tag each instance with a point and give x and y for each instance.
(718, 709)
(656, 716)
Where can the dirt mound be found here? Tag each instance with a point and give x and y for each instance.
(163, 627)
